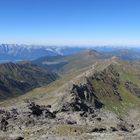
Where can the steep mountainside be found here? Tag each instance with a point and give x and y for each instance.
(99, 102)
(112, 81)
(114, 84)
(18, 78)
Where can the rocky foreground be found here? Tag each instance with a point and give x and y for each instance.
(34, 122)
(100, 105)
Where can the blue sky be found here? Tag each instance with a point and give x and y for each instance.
(70, 22)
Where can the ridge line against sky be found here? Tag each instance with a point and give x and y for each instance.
(69, 46)
(70, 22)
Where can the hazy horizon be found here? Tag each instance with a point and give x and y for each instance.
(70, 46)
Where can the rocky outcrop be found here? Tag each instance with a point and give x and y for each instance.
(133, 88)
(87, 95)
(36, 119)
(81, 98)
(19, 138)
(37, 110)
(30, 115)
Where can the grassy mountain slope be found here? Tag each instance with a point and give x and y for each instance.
(70, 63)
(111, 87)
(115, 83)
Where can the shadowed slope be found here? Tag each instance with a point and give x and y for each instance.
(18, 78)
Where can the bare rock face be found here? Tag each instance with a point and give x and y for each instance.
(133, 88)
(19, 138)
(29, 116)
(85, 96)
(4, 124)
(85, 93)
(81, 98)
(37, 110)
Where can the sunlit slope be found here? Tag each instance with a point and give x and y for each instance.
(70, 63)
(118, 86)
(115, 83)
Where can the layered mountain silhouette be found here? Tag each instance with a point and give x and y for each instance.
(70, 63)
(15, 52)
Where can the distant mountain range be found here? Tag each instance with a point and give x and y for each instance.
(15, 52)
(130, 54)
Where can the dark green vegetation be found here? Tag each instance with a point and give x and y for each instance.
(18, 78)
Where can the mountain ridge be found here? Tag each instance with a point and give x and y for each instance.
(69, 63)
(15, 52)
(101, 99)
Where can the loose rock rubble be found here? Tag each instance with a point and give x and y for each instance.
(33, 118)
